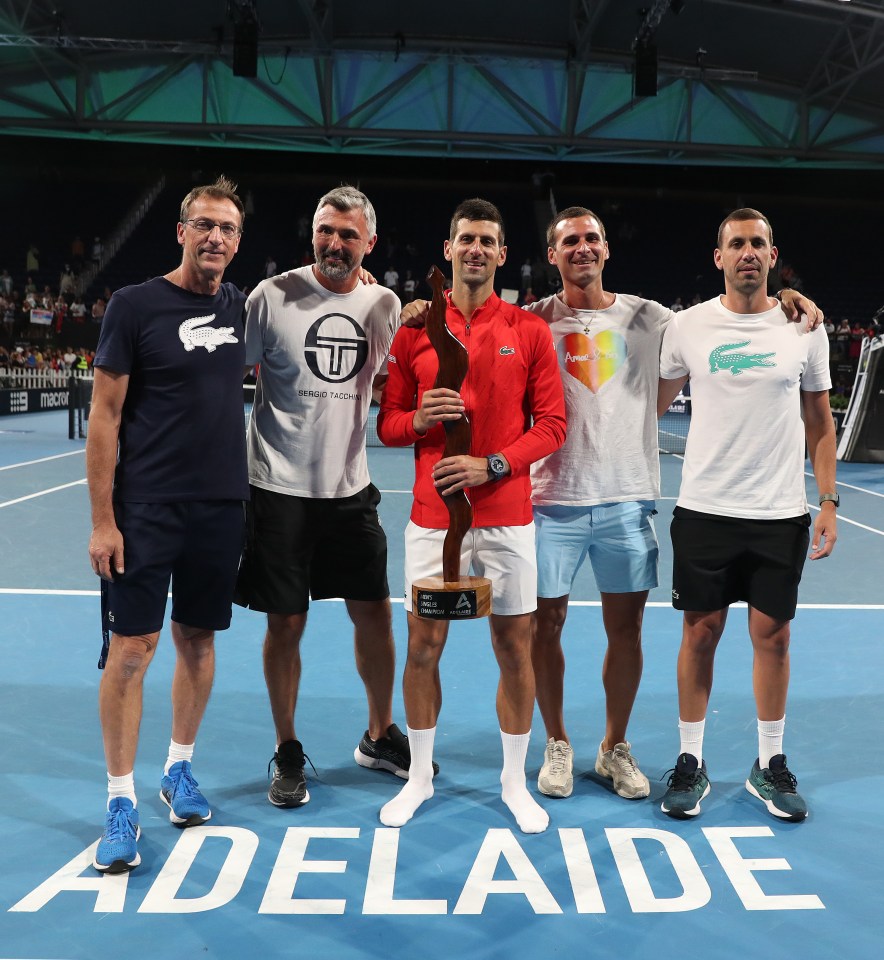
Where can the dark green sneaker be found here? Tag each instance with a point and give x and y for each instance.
(688, 785)
(775, 788)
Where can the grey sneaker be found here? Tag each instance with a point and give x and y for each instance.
(289, 785)
(621, 766)
(556, 775)
(775, 788)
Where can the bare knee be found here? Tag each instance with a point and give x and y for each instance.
(131, 655)
(622, 614)
(702, 633)
(423, 655)
(193, 643)
(285, 629)
(426, 641)
(548, 621)
(774, 644)
(511, 640)
(371, 616)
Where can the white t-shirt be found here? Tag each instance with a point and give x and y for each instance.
(319, 354)
(745, 447)
(609, 375)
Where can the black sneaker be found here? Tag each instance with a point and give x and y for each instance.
(289, 786)
(688, 785)
(390, 752)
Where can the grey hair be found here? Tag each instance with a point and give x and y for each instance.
(346, 198)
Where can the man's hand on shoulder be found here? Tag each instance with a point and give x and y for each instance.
(414, 314)
(796, 306)
(366, 277)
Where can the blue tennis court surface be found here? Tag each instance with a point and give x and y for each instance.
(610, 876)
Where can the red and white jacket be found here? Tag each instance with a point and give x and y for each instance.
(513, 398)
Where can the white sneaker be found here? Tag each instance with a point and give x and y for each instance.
(556, 775)
(621, 766)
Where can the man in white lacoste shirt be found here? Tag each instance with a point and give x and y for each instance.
(740, 530)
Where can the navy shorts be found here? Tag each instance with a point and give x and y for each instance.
(196, 545)
(303, 547)
(720, 560)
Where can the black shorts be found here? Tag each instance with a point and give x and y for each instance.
(303, 547)
(720, 560)
(195, 544)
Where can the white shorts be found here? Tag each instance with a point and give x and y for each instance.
(505, 555)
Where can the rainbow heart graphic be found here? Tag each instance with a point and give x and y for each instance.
(592, 360)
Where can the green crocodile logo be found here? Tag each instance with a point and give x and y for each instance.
(737, 362)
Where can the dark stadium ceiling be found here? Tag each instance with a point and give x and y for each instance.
(791, 83)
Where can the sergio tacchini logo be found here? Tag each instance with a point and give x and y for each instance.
(336, 348)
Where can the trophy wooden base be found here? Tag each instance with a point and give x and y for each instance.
(466, 598)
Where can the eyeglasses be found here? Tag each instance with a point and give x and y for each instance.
(202, 225)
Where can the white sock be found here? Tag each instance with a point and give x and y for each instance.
(770, 740)
(177, 753)
(691, 735)
(121, 787)
(530, 816)
(419, 787)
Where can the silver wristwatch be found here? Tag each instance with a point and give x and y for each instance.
(496, 467)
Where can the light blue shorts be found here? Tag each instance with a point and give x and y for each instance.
(618, 537)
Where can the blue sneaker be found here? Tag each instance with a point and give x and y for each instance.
(187, 806)
(117, 850)
(688, 785)
(775, 787)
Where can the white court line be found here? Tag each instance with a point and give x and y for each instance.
(56, 456)
(801, 606)
(855, 523)
(411, 491)
(850, 486)
(841, 517)
(662, 604)
(29, 592)
(41, 493)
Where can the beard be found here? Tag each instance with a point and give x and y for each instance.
(338, 269)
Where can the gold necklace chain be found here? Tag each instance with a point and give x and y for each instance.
(595, 310)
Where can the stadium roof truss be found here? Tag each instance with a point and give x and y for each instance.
(765, 82)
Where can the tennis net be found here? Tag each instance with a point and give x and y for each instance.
(79, 401)
(672, 430)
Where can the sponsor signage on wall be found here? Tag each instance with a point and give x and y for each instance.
(33, 401)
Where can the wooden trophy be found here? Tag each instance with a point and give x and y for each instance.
(451, 596)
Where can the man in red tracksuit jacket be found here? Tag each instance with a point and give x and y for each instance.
(512, 396)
